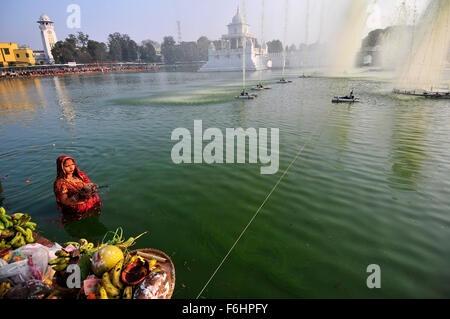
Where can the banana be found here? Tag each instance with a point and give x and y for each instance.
(128, 292)
(4, 288)
(60, 267)
(102, 291)
(4, 220)
(29, 237)
(2, 211)
(62, 253)
(21, 242)
(60, 260)
(109, 287)
(15, 239)
(151, 263)
(6, 233)
(20, 229)
(32, 227)
(23, 220)
(116, 275)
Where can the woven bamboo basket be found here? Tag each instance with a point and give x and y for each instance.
(166, 266)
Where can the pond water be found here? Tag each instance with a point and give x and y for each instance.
(371, 184)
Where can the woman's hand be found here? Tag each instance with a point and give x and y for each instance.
(70, 201)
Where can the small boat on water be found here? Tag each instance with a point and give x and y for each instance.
(345, 99)
(261, 87)
(283, 81)
(425, 94)
(245, 96)
(437, 95)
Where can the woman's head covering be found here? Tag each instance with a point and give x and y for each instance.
(60, 170)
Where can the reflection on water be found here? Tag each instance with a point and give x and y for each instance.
(64, 101)
(20, 99)
(90, 228)
(408, 147)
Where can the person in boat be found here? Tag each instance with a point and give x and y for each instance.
(75, 194)
(350, 96)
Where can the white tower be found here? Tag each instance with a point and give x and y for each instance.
(48, 36)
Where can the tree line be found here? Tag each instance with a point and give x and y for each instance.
(121, 48)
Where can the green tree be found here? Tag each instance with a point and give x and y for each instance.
(147, 51)
(97, 50)
(115, 46)
(122, 48)
(168, 50)
(82, 40)
(203, 46)
(275, 46)
(64, 51)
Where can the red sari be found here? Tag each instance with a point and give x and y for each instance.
(61, 186)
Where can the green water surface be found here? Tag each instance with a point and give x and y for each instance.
(371, 185)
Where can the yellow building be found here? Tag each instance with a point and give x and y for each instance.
(12, 55)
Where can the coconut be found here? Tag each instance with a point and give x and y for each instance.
(105, 259)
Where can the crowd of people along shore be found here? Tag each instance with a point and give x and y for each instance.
(65, 70)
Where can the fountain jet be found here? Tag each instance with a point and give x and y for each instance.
(429, 55)
(348, 37)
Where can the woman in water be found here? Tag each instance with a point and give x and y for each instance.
(75, 194)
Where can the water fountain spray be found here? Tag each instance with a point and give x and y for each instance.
(286, 7)
(244, 46)
(348, 37)
(261, 42)
(428, 58)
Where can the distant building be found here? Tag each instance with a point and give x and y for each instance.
(48, 36)
(227, 54)
(12, 55)
(39, 57)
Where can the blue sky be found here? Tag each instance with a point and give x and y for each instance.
(151, 19)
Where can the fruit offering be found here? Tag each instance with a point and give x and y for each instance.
(16, 230)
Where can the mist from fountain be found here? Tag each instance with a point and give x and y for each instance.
(397, 41)
(347, 38)
(426, 61)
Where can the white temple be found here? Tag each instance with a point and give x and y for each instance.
(48, 36)
(227, 54)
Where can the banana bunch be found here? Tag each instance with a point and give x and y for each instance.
(111, 287)
(61, 262)
(15, 230)
(4, 288)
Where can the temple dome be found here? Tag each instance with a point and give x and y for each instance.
(44, 17)
(237, 19)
